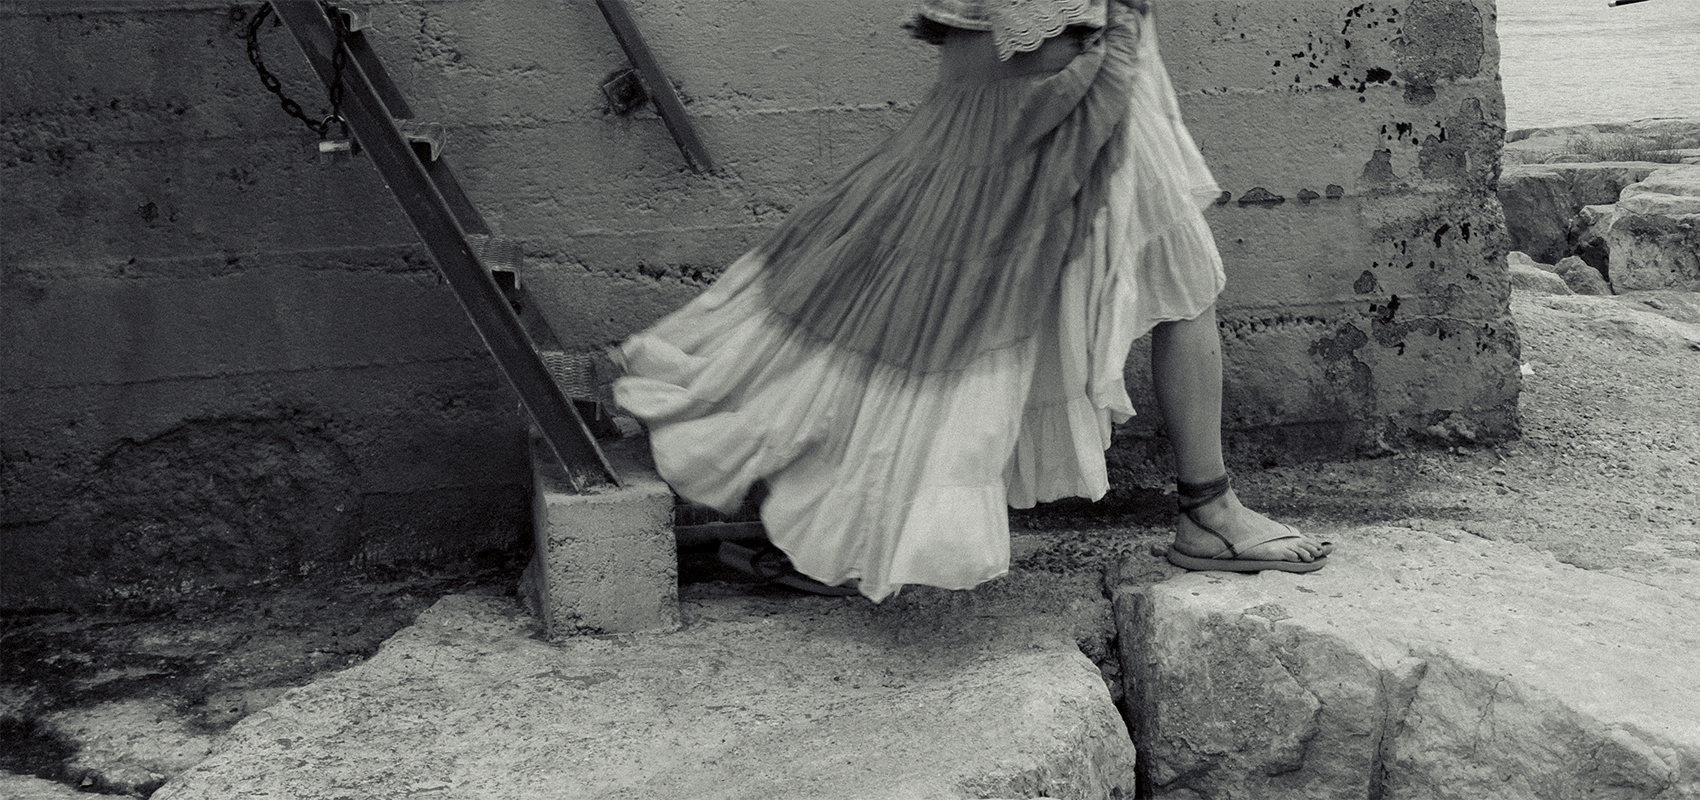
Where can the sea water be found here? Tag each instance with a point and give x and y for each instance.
(1569, 62)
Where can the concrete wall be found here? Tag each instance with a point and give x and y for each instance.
(221, 359)
(221, 356)
(1359, 142)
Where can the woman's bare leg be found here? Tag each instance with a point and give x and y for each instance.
(1186, 372)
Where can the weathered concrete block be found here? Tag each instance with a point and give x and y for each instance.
(605, 560)
(219, 359)
(167, 234)
(1366, 296)
(1417, 665)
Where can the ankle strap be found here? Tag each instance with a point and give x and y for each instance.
(1194, 495)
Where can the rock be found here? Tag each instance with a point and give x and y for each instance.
(1653, 233)
(1680, 306)
(1629, 325)
(125, 746)
(1581, 278)
(1588, 237)
(756, 697)
(1532, 278)
(23, 787)
(1515, 258)
(1673, 190)
(1583, 143)
(1542, 201)
(1416, 665)
(130, 746)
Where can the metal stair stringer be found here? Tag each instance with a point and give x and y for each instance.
(443, 218)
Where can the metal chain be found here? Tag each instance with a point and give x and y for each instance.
(339, 62)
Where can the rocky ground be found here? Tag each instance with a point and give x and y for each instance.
(1607, 473)
(116, 700)
(1606, 477)
(1666, 140)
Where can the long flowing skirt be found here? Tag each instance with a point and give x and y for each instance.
(942, 334)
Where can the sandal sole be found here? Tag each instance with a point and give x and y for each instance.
(1197, 564)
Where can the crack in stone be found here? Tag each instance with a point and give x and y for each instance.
(1394, 710)
(1485, 719)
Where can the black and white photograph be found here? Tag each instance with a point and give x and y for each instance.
(850, 399)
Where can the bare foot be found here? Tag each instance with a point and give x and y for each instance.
(1226, 515)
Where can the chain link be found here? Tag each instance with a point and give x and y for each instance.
(339, 62)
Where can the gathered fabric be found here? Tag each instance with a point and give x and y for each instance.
(1017, 26)
(942, 333)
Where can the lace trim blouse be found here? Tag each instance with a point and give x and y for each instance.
(1017, 26)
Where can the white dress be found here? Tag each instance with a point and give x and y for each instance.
(941, 334)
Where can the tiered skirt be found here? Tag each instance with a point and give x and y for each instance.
(941, 335)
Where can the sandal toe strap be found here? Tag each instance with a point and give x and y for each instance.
(1235, 548)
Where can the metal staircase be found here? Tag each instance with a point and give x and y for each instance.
(408, 156)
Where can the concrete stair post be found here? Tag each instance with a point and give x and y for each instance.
(605, 561)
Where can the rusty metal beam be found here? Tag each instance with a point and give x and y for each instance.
(656, 84)
(445, 235)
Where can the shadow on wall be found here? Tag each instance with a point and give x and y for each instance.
(220, 503)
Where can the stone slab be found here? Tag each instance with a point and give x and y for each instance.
(758, 697)
(1417, 665)
(605, 561)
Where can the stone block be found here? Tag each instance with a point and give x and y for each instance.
(605, 560)
(1434, 665)
(757, 697)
